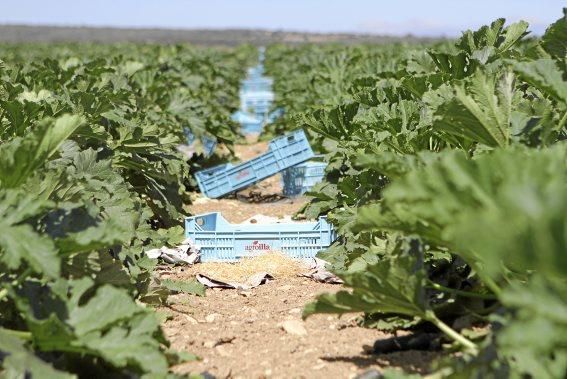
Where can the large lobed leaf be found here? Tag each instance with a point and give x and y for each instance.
(488, 209)
(21, 156)
(545, 76)
(18, 360)
(109, 325)
(480, 111)
(554, 41)
(395, 284)
(19, 242)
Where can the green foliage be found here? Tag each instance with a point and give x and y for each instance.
(446, 183)
(90, 178)
(554, 41)
(392, 285)
(193, 287)
(545, 75)
(480, 112)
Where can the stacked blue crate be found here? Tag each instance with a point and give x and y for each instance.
(301, 178)
(258, 103)
(256, 98)
(252, 86)
(256, 72)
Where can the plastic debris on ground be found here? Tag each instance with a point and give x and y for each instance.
(246, 274)
(186, 253)
(319, 273)
(252, 282)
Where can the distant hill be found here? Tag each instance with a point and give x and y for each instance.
(227, 37)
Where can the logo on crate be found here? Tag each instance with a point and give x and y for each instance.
(242, 174)
(257, 246)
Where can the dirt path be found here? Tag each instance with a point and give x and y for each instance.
(240, 335)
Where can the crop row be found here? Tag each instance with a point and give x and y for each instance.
(90, 178)
(446, 182)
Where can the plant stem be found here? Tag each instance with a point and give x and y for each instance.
(563, 121)
(23, 335)
(492, 285)
(439, 287)
(468, 344)
(23, 276)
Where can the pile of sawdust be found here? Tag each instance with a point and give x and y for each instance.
(276, 264)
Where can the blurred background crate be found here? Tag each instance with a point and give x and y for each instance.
(301, 178)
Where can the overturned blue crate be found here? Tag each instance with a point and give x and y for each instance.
(283, 152)
(220, 241)
(211, 171)
(301, 178)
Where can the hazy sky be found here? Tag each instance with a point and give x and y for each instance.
(397, 17)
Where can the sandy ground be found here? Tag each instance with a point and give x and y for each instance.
(237, 211)
(240, 334)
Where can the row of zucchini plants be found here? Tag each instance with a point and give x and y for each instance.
(446, 182)
(90, 178)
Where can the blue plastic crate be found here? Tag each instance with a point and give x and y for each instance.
(247, 128)
(256, 84)
(221, 241)
(259, 111)
(284, 152)
(274, 115)
(209, 144)
(257, 95)
(254, 99)
(256, 87)
(301, 178)
(249, 123)
(256, 71)
(205, 173)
